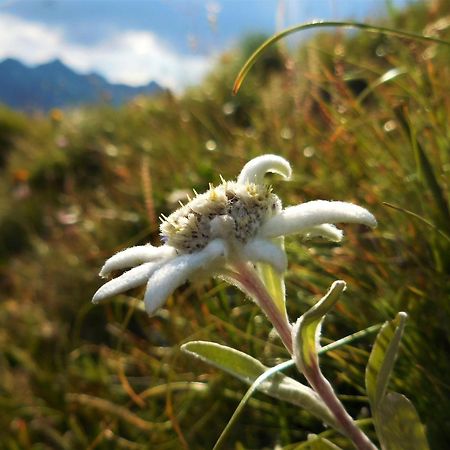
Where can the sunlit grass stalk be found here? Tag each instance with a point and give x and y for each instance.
(425, 171)
(147, 189)
(326, 24)
(421, 219)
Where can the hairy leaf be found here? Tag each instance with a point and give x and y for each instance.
(399, 426)
(307, 329)
(382, 359)
(248, 369)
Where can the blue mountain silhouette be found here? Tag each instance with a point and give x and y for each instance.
(54, 85)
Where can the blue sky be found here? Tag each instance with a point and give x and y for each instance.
(173, 42)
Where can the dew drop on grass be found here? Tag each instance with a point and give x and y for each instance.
(389, 126)
(286, 133)
(111, 150)
(309, 151)
(380, 51)
(184, 116)
(228, 108)
(211, 145)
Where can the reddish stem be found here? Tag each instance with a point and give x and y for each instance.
(322, 386)
(250, 281)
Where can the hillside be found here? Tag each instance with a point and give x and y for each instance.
(361, 117)
(54, 85)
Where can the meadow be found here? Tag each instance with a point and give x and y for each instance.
(362, 117)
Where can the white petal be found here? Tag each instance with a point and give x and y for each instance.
(262, 250)
(326, 231)
(129, 280)
(255, 169)
(176, 272)
(297, 219)
(134, 256)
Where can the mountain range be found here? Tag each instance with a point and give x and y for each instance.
(54, 85)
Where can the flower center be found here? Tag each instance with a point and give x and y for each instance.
(245, 207)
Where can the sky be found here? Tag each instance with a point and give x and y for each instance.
(172, 42)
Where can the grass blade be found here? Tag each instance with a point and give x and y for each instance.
(424, 167)
(329, 24)
(422, 219)
(391, 74)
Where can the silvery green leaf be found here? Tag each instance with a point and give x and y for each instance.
(382, 359)
(248, 369)
(306, 331)
(399, 426)
(274, 281)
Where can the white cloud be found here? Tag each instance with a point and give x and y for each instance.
(132, 57)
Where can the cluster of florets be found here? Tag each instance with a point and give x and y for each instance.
(223, 233)
(246, 206)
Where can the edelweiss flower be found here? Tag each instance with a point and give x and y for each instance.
(224, 231)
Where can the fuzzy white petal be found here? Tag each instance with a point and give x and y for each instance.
(327, 231)
(297, 219)
(176, 272)
(134, 256)
(262, 250)
(255, 169)
(129, 280)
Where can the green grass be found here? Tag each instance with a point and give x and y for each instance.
(76, 187)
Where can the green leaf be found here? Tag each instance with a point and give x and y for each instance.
(274, 281)
(307, 329)
(382, 359)
(278, 368)
(399, 426)
(396, 420)
(248, 369)
(236, 363)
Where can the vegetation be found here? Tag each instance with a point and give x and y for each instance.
(361, 117)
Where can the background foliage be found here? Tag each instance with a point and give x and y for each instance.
(362, 118)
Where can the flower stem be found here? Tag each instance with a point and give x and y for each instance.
(324, 389)
(250, 282)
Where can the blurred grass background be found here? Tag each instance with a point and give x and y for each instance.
(361, 117)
